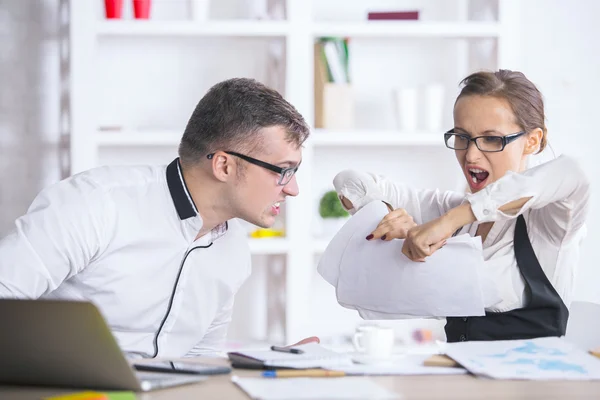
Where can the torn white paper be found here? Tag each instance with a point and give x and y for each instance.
(377, 280)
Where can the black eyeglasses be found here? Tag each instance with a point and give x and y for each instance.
(285, 174)
(490, 144)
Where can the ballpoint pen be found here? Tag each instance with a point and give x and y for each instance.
(286, 350)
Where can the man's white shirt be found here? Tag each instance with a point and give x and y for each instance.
(124, 238)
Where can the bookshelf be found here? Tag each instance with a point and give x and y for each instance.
(124, 28)
(94, 47)
(408, 29)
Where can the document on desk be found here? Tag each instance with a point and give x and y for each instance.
(380, 282)
(532, 359)
(313, 356)
(348, 388)
(411, 364)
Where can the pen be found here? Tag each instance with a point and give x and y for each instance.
(286, 350)
(297, 373)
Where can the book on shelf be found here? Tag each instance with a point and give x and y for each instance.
(393, 16)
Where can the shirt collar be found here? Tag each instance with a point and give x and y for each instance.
(179, 192)
(182, 199)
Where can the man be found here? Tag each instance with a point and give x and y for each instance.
(157, 249)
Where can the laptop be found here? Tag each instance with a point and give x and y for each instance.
(68, 344)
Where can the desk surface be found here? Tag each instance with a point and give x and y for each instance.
(409, 387)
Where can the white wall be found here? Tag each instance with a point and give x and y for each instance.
(559, 52)
(29, 103)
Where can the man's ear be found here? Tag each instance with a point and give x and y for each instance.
(534, 139)
(223, 166)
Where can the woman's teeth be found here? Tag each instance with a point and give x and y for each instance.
(478, 175)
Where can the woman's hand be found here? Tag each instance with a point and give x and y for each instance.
(424, 240)
(395, 225)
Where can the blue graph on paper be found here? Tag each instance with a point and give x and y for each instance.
(530, 348)
(536, 352)
(545, 358)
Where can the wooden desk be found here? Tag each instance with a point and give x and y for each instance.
(410, 387)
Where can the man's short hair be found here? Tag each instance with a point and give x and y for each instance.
(231, 115)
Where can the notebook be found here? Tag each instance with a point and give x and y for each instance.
(313, 356)
(313, 388)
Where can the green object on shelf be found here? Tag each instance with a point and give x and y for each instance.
(330, 206)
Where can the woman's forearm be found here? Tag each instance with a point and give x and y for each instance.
(463, 214)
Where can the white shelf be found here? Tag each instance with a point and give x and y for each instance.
(322, 137)
(268, 246)
(225, 28)
(408, 29)
(243, 28)
(138, 138)
(319, 138)
(88, 31)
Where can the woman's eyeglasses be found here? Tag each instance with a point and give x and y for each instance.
(490, 144)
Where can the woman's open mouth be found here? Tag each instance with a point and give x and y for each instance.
(477, 178)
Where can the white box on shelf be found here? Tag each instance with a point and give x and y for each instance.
(406, 109)
(336, 111)
(199, 10)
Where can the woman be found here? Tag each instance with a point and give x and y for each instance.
(531, 221)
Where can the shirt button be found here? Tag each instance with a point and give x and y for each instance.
(486, 212)
(465, 319)
(462, 338)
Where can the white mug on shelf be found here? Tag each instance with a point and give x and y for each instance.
(405, 108)
(434, 107)
(199, 9)
(374, 341)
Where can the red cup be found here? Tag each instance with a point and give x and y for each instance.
(141, 9)
(113, 8)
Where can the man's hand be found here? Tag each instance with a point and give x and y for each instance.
(395, 225)
(312, 339)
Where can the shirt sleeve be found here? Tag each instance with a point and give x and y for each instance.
(213, 342)
(423, 205)
(559, 191)
(57, 238)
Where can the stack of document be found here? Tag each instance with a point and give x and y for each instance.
(377, 280)
(313, 356)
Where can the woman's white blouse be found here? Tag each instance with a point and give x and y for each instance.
(555, 217)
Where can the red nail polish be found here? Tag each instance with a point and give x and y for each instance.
(383, 237)
(369, 237)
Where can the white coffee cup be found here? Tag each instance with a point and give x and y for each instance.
(374, 341)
